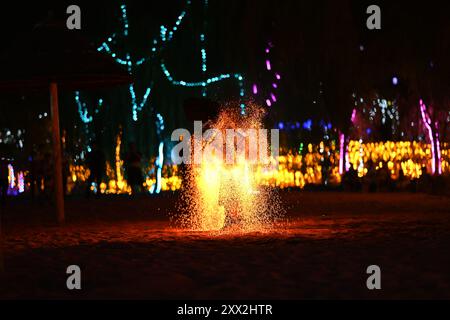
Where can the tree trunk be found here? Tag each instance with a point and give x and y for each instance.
(57, 157)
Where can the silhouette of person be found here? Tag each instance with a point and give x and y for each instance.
(133, 168)
(96, 163)
(36, 171)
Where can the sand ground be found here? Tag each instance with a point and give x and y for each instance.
(128, 248)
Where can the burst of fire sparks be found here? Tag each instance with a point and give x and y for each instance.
(223, 196)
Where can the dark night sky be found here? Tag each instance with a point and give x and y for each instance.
(314, 41)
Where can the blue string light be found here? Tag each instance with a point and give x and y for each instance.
(163, 29)
(204, 66)
(124, 19)
(206, 82)
(156, 188)
(82, 109)
(136, 106)
(166, 35)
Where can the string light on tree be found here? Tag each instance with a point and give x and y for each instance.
(207, 81)
(165, 36)
(131, 64)
(271, 98)
(433, 135)
(156, 188)
(138, 103)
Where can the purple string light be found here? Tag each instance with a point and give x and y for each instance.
(273, 97)
(353, 115)
(341, 153)
(255, 89)
(438, 147)
(427, 121)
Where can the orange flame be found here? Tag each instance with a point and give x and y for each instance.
(220, 196)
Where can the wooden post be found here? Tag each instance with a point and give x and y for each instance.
(57, 157)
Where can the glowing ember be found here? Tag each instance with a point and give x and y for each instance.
(220, 195)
